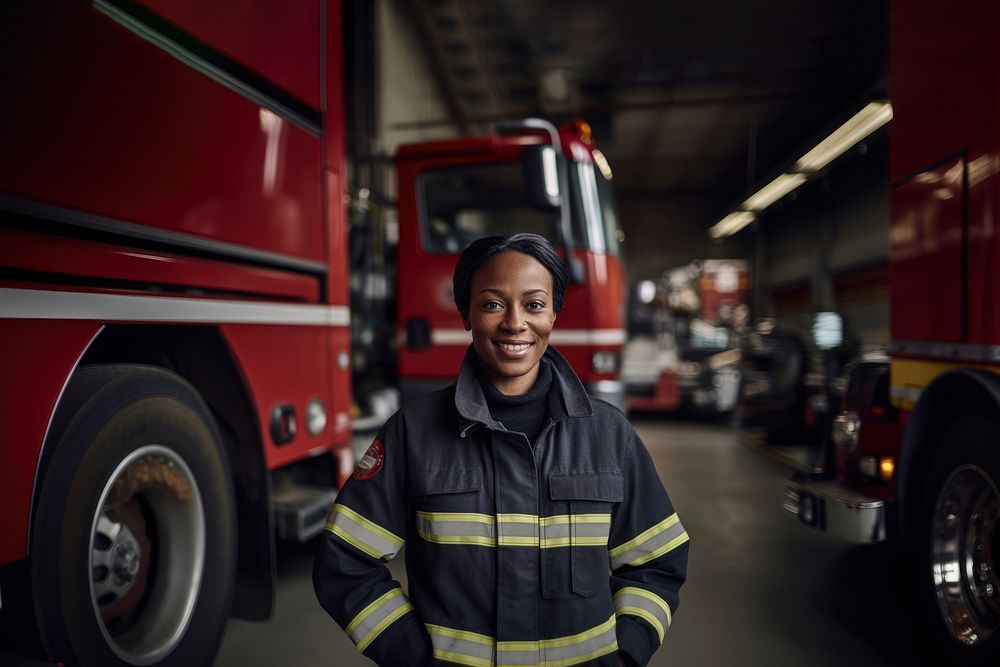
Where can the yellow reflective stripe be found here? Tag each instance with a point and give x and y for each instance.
(451, 656)
(354, 542)
(474, 654)
(370, 525)
(444, 534)
(575, 518)
(559, 641)
(364, 535)
(646, 605)
(386, 622)
(652, 597)
(459, 634)
(645, 535)
(457, 516)
(596, 653)
(373, 609)
(669, 546)
(479, 540)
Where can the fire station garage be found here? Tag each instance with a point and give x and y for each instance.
(272, 399)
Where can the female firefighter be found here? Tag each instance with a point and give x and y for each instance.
(537, 530)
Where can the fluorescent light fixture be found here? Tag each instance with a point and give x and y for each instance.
(773, 191)
(863, 123)
(731, 224)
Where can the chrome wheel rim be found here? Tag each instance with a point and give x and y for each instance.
(964, 554)
(146, 554)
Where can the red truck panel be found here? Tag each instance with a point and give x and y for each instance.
(60, 255)
(38, 358)
(169, 147)
(289, 364)
(278, 40)
(925, 249)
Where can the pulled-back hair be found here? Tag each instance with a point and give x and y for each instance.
(482, 250)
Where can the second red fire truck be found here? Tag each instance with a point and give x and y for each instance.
(919, 439)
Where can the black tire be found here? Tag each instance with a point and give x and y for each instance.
(140, 571)
(962, 484)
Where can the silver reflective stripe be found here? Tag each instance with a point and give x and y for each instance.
(514, 530)
(650, 544)
(517, 530)
(460, 646)
(562, 651)
(365, 535)
(457, 528)
(477, 650)
(646, 605)
(579, 530)
(376, 617)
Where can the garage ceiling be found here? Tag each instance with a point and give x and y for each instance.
(687, 99)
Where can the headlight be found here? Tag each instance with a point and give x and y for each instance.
(877, 467)
(847, 431)
(604, 362)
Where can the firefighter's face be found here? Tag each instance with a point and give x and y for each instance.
(511, 317)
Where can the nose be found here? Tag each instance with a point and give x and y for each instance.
(514, 320)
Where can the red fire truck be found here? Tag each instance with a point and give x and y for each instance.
(926, 467)
(174, 364)
(530, 177)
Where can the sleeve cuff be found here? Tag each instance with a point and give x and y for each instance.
(405, 644)
(636, 639)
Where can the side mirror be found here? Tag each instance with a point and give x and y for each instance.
(542, 165)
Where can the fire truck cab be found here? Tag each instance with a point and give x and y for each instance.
(530, 177)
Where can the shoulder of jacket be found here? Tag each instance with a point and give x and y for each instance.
(434, 409)
(608, 413)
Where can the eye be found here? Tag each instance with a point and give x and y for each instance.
(492, 305)
(535, 305)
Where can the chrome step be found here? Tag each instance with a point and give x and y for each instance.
(300, 511)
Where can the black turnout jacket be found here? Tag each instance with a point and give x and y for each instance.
(561, 552)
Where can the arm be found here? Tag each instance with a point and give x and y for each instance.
(365, 529)
(648, 548)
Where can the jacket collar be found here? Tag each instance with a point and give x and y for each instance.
(567, 398)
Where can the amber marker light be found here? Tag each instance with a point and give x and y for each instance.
(886, 467)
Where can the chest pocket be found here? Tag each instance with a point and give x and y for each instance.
(574, 537)
(447, 504)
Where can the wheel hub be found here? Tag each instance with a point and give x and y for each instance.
(126, 562)
(147, 554)
(964, 534)
(117, 559)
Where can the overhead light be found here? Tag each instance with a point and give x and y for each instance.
(863, 123)
(773, 191)
(731, 224)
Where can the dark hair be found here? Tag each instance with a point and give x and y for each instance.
(482, 250)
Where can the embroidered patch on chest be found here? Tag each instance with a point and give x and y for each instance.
(371, 462)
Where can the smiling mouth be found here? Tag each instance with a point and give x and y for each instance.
(514, 347)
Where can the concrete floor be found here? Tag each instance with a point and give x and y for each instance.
(761, 590)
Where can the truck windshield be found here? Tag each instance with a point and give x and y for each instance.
(595, 213)
(461, 204)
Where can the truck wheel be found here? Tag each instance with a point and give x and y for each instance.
(133, 545)
(961, 543)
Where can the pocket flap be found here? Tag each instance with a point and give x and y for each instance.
(446, 481)
(605, 486)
